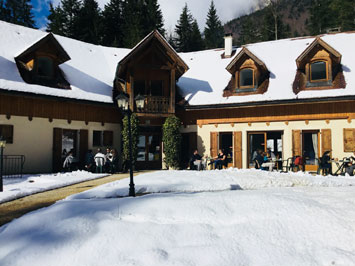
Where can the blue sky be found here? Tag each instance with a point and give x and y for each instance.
(41, 12)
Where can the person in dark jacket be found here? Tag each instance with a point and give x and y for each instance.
(220, 160)
(325, 164)
(90, 161)
(197, 161)
(351, 166)
(259, 159)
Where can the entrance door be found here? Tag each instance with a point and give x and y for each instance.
(149, 151)
(264, 141)
(256, 141)
(310, 149)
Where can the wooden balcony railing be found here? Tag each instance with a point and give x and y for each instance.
(156, 104)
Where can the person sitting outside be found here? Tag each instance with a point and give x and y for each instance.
(351, 166)
(68, 162)
(89, 161)
(99, 160)
(258, 159)
(114, 163)
(108, 161)
(196, 161)
(269, 160)
(220, 160)
(325, 164)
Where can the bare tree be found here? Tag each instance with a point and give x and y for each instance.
(274, 6)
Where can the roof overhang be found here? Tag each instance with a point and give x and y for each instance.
(238, 60)
(58, 51)
(180, 66)
(318, 42)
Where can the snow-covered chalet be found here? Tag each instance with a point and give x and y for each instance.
(293, 96)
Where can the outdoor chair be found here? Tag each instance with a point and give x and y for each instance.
(286, 164)
(323, 169)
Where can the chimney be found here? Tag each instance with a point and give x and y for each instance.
(228, 45)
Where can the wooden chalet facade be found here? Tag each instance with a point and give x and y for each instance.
(295, 97)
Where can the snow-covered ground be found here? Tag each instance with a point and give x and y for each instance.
(31, 184)
(228, 217)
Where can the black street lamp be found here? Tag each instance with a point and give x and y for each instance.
(2, 146)
(123, 104)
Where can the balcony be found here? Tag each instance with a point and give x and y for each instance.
(156, 105)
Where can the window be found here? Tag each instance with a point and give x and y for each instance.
(7, 132)
(44, 67)
(102, 138)
(319, 71)
(139, 87)
(246, 78)
(156, 88)
(349, 139)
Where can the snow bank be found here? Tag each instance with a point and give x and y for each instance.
(274, 226)
(216, 180)
(31, 184)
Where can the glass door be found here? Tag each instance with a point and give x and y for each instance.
(256, 142)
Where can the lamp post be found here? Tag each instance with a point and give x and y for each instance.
(2, 146)
(123, 104)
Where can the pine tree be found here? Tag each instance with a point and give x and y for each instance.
(321, 16)
(63, 19)
(183, 31)
(344, 13)
(197, 42)
(152, 17)
(249, 32)
(88, 22)
(132, 15)
(56, 20)
(214, 31)
(17, 12)
(112, 24)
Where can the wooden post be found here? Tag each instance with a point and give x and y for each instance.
(131, 95)
(172, 91)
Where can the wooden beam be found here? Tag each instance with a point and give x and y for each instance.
(172, 90)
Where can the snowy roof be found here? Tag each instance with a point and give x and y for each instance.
(90, 71)
(204, 83)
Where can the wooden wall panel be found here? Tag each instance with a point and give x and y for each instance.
(58, 109)
(296, 143)
(214, 144)
(326, 141)
(237, 149)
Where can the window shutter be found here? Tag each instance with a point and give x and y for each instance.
(214, 144)
(296, 143)
(237, 149)
(57, 149)
(349, 139)
(326, 141)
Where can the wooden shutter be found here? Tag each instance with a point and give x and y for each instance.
(214, 144)
(326, 141)
(57, 150)
(83, 145)
(349, 139)
(237, 149)
(296, 143)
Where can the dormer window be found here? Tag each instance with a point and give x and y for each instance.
(319, 68)
(246, 78)
(249, 75)
(318, 71)
(44, 67)
(39, 63)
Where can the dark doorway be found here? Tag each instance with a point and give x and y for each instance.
(149, 148)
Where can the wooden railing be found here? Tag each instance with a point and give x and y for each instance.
(156, 104)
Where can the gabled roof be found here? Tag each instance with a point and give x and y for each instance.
(61, 54)
(180, 65)
(318, 42)
(244, 53)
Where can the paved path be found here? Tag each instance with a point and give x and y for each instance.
(16, 208)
